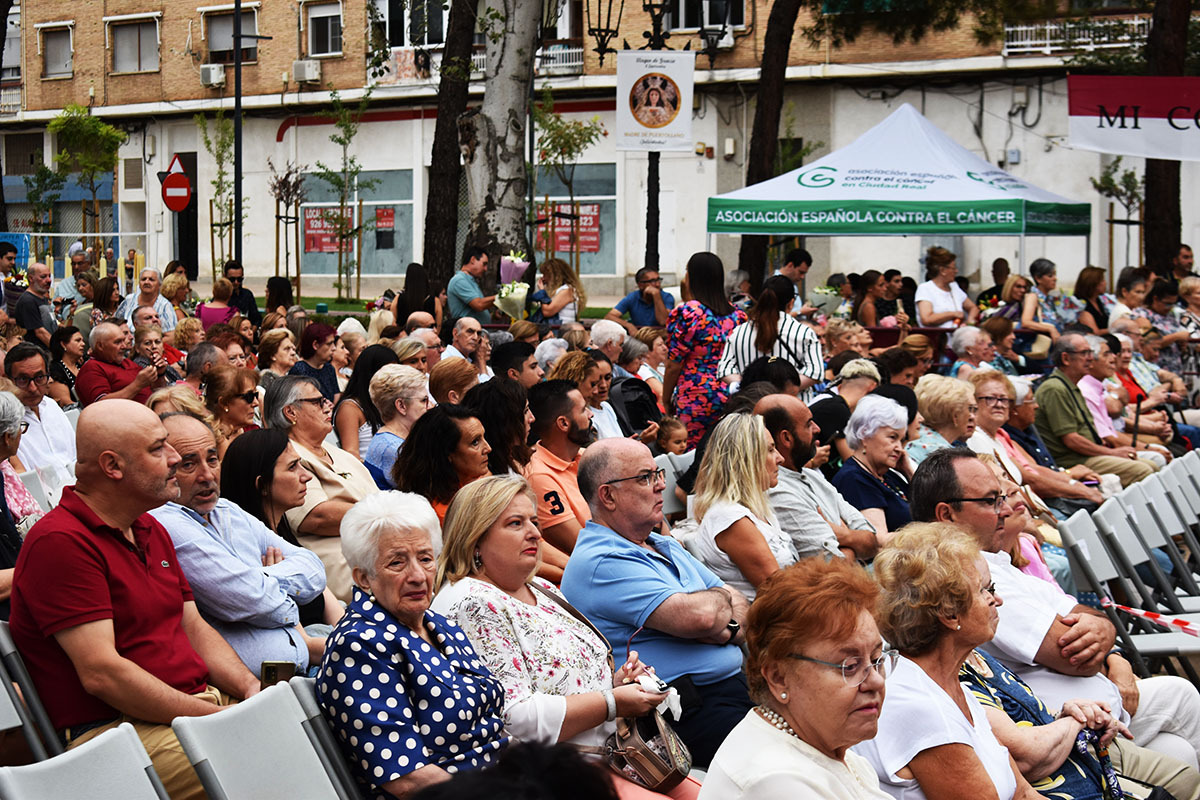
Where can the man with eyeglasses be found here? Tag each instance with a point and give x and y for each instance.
(433, 346)
(110, 374)
(1066, 425)
(49, 440)
(645, 592)
(242, 298)
(1061, 648)
(248, 582)
(562, 427)
(647, 305)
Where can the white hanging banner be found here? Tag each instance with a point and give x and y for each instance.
(654, 99)
(1138, 115)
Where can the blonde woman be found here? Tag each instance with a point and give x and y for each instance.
(841, 335)
(182, 398)
(451, 378)
(949, 408)
(188, 333)
(411, 353)
(379, 320)
(401, 395)
(567, 297)
(175, 288)
(738, 538)
(553, 664)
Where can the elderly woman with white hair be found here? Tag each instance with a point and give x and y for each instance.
(12, 425)
(549, 352)
(973, 350)
(408, 698)
(873, 478)
(402, 395)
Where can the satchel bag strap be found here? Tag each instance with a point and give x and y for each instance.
(574, 612)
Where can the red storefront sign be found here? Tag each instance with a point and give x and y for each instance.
(320, 231)
(588, 227)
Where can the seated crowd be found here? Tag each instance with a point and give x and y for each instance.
(468, 541)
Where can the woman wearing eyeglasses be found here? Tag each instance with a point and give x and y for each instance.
(816, 666)
(937, 604)
(948, 406)
(231, 396)
(739, 538)
(559, 684)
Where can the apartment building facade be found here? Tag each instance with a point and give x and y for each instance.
(149, 66)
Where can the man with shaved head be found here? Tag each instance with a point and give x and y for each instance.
(101, 610)
(419, 319)
(808, 507)
(110, 374)
(638, 585)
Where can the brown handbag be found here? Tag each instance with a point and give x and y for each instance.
(645, 750)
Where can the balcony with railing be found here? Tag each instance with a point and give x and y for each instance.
(412, 66)
(10, 100)
(1051, 37)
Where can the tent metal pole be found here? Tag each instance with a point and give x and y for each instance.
(708, 242)
(1087, 250)
(1021, 255)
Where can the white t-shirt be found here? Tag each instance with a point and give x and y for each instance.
(757, 761)
(941, 300)
(918, 715)
(702, 543)
(1030, 607)
(605, 420)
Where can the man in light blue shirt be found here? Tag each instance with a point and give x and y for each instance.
(463, 292)
(645, 592)
(247, 581)
(647, 305)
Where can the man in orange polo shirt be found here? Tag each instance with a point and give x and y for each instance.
(562, 423)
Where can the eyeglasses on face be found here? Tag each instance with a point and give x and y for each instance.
(22, 427)
(855, 670)
(316, 401)
(654, 281)
(250, 396)
(23, 381)
(996, 501)
(995, 400)
(647, 478)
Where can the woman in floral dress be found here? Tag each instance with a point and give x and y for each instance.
(697, 330)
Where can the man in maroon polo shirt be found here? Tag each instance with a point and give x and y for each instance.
(101, 611)
(108, 373)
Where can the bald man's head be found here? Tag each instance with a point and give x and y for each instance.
(601, 462)
(618, 478)
(120, 442)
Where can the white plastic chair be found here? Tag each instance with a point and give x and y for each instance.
(34, 484)
(112, 766)
(73, 417)
(321, 735)
(671, 504)
(258, 749)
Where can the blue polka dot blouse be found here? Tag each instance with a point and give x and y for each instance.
(397, 704)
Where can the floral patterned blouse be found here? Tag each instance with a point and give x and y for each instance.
(1169, 357)
(696, 338)
(1058, 309)
(540, 653)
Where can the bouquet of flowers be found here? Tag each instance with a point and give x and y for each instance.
(511, 299)
(512, 267)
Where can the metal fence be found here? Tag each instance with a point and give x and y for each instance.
(1060, 36)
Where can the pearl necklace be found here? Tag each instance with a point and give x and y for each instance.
(775, 718)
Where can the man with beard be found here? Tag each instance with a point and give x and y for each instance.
(809, 509)
(248, 582)
(101, 610)
(562, 425)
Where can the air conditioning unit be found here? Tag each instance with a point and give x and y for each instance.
(212, 75)
(307, 70)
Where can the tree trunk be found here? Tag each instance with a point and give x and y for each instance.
(492, 137)
(1166, 51)
(764, 135)
(445, 171)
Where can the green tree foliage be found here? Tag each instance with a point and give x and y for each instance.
(345, 181)
(42, 190)
(561, 142)
(88, 147)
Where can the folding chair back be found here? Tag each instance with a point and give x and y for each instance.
(671, 504)
(1081, 538)
(1126, 549)
(34, 484)
(684, 462)
(73, 417)
(14, 665)
(229, 750)
(1166, 524)
(1179, 486)
(321, 735)
(112, 766)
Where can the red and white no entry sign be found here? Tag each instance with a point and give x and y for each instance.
(176, 188)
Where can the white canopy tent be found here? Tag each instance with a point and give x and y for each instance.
(903, 177)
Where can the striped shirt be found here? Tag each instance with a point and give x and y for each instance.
(794, 341)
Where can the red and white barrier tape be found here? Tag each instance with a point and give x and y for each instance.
(1154, 616)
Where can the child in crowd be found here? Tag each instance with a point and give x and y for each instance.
(672, 437)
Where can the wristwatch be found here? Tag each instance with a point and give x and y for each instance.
(733, 627)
